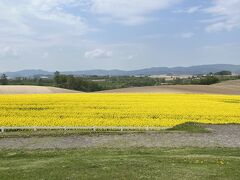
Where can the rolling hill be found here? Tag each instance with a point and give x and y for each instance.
(192, 70)
(227, 87)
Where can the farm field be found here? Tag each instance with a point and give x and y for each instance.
(227, 88)
(129, 163)
(124, 110)
(231, 87)
(24, 89)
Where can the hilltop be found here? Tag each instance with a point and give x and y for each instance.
(192, 70)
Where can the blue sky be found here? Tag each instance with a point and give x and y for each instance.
(117, 34)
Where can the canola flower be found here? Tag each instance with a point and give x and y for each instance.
(137, 110)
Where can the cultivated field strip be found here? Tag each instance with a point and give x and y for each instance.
(116, 110)
(25, 89)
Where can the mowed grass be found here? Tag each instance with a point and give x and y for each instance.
(184, 163)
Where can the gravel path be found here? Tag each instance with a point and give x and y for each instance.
(221, 136)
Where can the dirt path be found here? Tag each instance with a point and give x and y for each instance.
(222, 136)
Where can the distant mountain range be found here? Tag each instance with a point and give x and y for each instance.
(192, 70)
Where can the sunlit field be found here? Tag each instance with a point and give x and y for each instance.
(131, 110)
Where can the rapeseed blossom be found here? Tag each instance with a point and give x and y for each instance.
(137, 110)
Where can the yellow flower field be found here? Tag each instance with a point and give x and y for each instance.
(140, 110)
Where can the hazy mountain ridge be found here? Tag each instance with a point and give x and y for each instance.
(192, 70)
(27, 73)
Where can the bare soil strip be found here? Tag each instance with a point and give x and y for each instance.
(228, 87)
(221, 136)
(12, 89)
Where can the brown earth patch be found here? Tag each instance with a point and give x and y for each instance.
(12, 89)
(227, 87)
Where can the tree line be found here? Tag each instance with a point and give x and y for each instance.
(97, 83)
(4, 79)
(75, 83)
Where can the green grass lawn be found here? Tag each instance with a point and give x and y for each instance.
(165, 163)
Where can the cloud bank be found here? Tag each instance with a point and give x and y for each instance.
(98, 53)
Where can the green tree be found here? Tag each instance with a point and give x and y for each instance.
(57, 77)
(71, 82)
(39, 82)
(209, 80)
(4, 80)
(223, 73)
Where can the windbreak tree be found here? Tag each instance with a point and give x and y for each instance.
(75, 83)
(57, 77)
(4, 80)
(209, 80)
(224, 73)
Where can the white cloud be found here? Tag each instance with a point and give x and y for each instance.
(129, 12)
(29, 28)
(8, 51)
(98, 54)
(222, 47)
(190, 10)
(45, 55)
(226, 15)
(154, 36)
(130, 57)
(38, 17)
(187, 35)
(193, 9)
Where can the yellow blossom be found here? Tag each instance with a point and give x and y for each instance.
(138, 110)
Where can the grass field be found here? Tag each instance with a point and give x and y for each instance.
(117, 109)
(184, 163)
